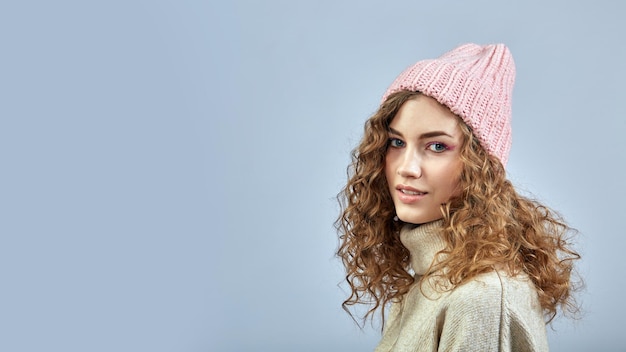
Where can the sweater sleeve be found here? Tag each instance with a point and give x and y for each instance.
(493, 313)
(473, 318)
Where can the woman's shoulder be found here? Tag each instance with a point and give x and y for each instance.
(495, 288)
(502, 304)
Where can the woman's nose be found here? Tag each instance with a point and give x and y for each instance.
(410, 165)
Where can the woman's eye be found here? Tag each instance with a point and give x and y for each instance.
(437, 147)
(396, 143)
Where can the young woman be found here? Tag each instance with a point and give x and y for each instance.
(431, 227)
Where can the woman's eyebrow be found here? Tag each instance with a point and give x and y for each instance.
(392, 131)
(423, 135)
(434, 134)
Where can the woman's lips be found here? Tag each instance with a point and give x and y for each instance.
(409, 195)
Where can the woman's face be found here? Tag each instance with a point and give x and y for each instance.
(422, 164)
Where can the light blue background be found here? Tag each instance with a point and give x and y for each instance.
(168, 168)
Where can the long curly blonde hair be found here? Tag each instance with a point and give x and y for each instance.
(488, 225)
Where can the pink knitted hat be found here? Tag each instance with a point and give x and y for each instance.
(476, 83)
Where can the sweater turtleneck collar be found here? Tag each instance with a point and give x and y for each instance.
(423, 242)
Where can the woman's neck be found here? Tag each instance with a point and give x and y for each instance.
(423, 242)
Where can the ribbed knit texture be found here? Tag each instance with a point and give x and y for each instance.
(493, 312)
(476, 83)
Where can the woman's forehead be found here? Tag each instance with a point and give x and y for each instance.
(424, 115)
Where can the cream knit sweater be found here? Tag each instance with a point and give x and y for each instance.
(493, 312)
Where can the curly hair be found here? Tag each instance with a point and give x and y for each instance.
(489, 225)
